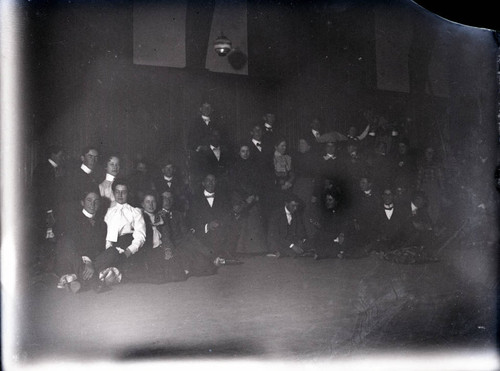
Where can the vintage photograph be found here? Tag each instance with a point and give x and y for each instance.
(240, 181)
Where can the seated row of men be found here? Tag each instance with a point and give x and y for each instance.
(154, 245)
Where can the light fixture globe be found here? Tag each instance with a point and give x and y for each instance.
(222, 45)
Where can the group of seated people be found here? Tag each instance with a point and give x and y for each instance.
(336, 196)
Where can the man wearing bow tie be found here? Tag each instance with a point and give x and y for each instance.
(269, 132)
(286, 233)
(126, 229)
(211, 217)
(170, 181)
(194, 256)
(389, 222)
(214, 160)
(200, 130)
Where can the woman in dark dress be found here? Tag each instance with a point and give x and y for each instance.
(247, 188)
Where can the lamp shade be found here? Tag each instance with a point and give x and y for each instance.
(222, 45)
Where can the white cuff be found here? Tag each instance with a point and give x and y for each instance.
(206, 228)
(86, 259)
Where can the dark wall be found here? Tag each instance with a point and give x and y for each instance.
(305, 60)
(85, 88)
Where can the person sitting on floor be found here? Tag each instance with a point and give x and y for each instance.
(195, 257)
(160, 263)
(286, 231)
(213, 221)
(335, 235)
(126, 232)
(82, 259)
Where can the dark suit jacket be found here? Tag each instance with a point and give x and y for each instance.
(178, 189)
(280, 234)
(201, 213)
(199, 133)
(46, 186)
(390, 229)
(90, 240)
(78, 182)
(206, 163)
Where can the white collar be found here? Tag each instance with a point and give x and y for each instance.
(214, 148)
(327, 156)
(413, 207)
(255, 141)
(390, 206)
(368, 193)
(315, 132)
(168, 179)
(206, 119)
(87, 214)
(53, 163)
(206, 193)
(287, 211)
(85, 169)
(110, 177)
(268, 126)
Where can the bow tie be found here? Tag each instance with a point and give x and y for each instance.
(92, 221)
(388, 207)
(258, 144)
(210, 196)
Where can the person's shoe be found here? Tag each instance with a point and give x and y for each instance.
(74, 286)
(219, 261)
(111, 276)
(101, 287)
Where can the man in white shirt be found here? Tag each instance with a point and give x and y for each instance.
(126, 229)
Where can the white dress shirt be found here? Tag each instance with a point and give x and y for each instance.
(124, 219)
(216, 151)
(257, 144)
(288, 216)
(105, 187)
(85, 169)
(389, 210)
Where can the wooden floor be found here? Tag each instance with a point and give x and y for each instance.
(272, 309)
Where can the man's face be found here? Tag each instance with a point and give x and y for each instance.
(141, 167)
(304, 146)
(206, 109)
(121, 194)
(352, 131)
(168, 170)
(91, 203)
(364, 184)
(270, 118)
(352, 150)
(149, 203)
(244, 152)
(90, 158)
(387, 197)
(215, 139)
(256, 133)
(113, 166)
(292, 206)
(315, 124)
(330, 148)
(167, 200)
(209, 183)
(330, 202)
(402, 148)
